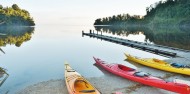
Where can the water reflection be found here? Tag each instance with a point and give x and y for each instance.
(12, 36)
(3, 76)
(2, 50)
(42, 58)
(173, 37)
(15, 35)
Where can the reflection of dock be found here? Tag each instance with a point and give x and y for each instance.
(2, 50)
(138, 45)
(4, 79)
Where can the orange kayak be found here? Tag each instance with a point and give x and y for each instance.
(77, 84)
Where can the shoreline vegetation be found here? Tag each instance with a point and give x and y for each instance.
(15, 16)
(166, 14)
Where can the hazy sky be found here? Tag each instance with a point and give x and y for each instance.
(78, 12)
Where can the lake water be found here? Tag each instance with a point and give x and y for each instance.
(38, 54)
(171, 36)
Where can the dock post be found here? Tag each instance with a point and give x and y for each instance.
(93, 32)
(101, 32)
(82, 33)
(90, 31)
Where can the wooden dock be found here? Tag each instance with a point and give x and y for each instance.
(153, 48)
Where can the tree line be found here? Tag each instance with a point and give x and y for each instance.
(118, 19)
(174, 12)
(16, 16)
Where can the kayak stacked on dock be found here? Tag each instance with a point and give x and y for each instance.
(144, 78)
(159, 64)
(77, 84)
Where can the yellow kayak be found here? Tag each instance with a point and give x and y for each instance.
(76, 84)
(159, 64)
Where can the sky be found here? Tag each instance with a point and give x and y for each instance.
(78, 12)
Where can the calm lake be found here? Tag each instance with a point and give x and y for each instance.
(38, 54)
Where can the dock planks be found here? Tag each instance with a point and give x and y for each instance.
(153, 48)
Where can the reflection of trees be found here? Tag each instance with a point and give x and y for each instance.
(170, 37)
(15, 35)
(173, 37)
(117, 30)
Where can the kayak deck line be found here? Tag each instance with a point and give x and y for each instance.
(138, 45)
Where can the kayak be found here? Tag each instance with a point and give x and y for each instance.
(159, 64)
(142, 77)
(77, 84)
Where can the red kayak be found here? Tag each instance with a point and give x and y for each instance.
(144, 78)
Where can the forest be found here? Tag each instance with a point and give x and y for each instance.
(15, 16)
(162, 13)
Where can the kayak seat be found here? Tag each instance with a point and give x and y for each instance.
(158, 61)
(70, 70)
(80, 81)
(141, 74)
(124, 68)
(177, 65)
(87, 91)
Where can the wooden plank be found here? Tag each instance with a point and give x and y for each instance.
(134, 44)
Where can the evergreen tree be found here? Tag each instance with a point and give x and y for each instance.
(15, 16)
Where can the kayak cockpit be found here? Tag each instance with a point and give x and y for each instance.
(87, 91)
(179, 65)
(158, 61)
(82, 86)
(70, 70)
(141, 74)
(124, 68)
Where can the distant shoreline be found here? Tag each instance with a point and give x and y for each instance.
(162, 13)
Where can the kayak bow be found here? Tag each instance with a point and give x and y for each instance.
(77, 84)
